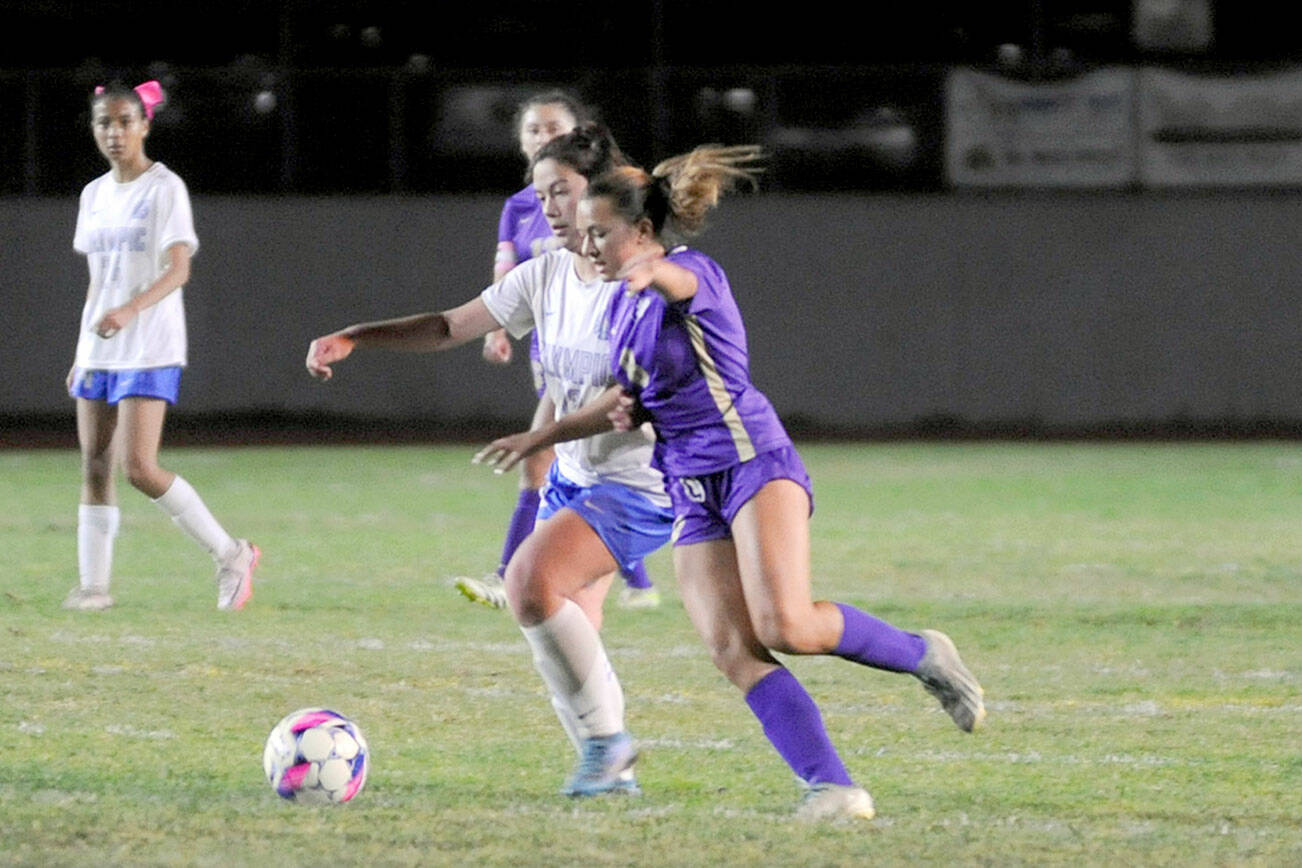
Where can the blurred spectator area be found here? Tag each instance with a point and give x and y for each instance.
(300, 96)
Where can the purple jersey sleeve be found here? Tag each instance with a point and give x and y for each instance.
(688, 364)
(506, 223)
(522, 223)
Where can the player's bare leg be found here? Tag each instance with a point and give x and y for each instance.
(555, 570)
(98, 517)
(771, 533)
(711, 587)
(141, 423)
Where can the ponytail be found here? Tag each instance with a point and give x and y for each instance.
(678, 193)
(697, 179)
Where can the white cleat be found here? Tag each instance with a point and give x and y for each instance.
(835, 802)
(81, 599)
(639, 598)
(946, 678)
(489, 591)
(235, 576)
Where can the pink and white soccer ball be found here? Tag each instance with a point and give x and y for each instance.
(316, 756)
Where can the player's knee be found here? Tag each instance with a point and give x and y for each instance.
(786, 632)
(737, 660)
(728, 661)
(526, 591)
(142, 473)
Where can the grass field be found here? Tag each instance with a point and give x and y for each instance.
(1133, 610)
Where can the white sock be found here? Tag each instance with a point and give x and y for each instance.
(569, 723)
(97, 525)
(571, 726)
(568, 653)
(188, 512)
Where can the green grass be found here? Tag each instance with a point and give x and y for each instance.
(1133, 611)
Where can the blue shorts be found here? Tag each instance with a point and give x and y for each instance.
(113, 386)
(705, 506)
(626, 520)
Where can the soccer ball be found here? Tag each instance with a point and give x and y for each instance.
(316, 756)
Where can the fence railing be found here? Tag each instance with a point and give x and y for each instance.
(255, 127)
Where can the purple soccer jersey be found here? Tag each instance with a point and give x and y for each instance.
(687, 362)
(522, 223)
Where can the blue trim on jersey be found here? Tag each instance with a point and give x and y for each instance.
(113, 386)
(630, 525)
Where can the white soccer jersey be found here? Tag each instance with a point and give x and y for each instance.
(125, 231)
(545, 293)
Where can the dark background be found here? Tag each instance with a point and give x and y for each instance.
(347, 161)
(418, 97)
(584, 33)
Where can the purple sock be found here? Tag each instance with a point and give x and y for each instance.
(522, 521)
(794, 725)
(637, 577)
(875, 643)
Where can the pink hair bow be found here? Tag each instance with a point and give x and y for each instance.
(150, 93)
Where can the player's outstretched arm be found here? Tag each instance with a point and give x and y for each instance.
(420, 333)
(669, 279)
(590, 419)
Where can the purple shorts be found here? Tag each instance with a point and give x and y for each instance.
(113, 386)
(704, 506)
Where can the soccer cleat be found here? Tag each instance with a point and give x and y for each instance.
(626, 784)
(489, 591)
(601, 764)
(835, 802)
(235, 576)
(639, 598)
(946, 678)
(81, 599)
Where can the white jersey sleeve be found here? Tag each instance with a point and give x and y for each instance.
(514, 300)
(175, 218)
(81, 238)
(570, 316)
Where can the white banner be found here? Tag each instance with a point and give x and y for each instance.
(1066, 133)
(1202, 131)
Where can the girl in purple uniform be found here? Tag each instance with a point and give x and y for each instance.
(740, 493)
(523, 234)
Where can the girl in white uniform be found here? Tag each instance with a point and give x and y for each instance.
(604, 506)
(135, 228)
(523, 233)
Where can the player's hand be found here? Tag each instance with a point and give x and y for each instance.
(497, 347)
(67, 381)
(506, 452)
(627, 413)
(637, 275)
(115, 321)
(325, 351)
